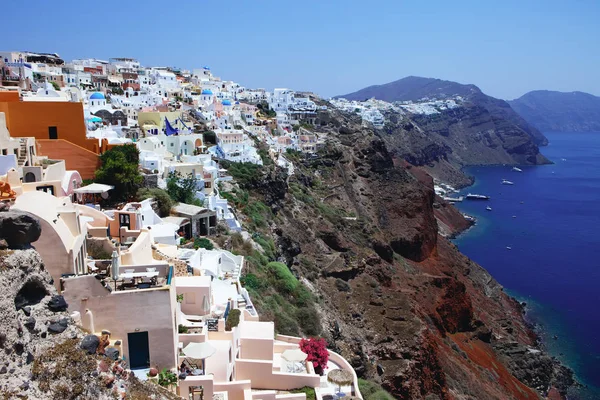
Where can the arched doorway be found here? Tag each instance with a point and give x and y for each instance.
(29, 177)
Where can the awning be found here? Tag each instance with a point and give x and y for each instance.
(94, 188)
(199, 351)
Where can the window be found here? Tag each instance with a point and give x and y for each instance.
(47, 189)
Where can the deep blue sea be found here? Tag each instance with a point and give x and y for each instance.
(554, 261)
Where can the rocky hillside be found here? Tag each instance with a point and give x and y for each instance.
(45, 355)
(552, 111)
(358, 231)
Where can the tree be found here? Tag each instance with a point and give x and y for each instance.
(182, 189)
(210, 137)
(316, 349)
(120, 169)
(162, 198)
(55, 85)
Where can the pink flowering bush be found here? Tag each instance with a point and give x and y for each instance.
(316, 349)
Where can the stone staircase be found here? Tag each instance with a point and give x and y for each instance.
(22, 156)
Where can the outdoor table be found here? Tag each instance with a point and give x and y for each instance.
(145, 274)
(137, 275)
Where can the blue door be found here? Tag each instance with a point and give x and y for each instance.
(139, 350)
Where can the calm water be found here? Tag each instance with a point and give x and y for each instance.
(553, 263)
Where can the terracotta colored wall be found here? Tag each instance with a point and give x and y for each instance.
(6, 96)
(33, 118)
(76, 157)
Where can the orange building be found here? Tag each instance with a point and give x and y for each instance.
(62, 122)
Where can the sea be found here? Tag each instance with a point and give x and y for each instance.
(541, 241)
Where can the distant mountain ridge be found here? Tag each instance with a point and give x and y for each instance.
(559, 111)
(414, 88)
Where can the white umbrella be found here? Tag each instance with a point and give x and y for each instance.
(294, 355)
(199, 351)
(94, 188)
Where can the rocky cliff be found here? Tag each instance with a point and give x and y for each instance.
(45, 355)
(551, 111)
(481, 130)
(360, 230)
(445, 142)
(415, 88)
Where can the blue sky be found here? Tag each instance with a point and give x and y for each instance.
(329, 46)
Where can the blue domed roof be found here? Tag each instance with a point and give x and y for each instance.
(97, 96)
(226, 103)
(207, 91)
(237, 102)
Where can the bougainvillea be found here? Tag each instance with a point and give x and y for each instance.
(316, 349)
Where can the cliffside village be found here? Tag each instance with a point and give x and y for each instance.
(123, 272)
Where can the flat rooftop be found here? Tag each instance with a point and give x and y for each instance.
(257, 330)
(192, 281)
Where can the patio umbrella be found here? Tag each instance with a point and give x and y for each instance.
(94, 188)
(340, 377)
(199, 351)
(294, 355)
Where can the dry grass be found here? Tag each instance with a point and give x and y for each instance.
(60, 369)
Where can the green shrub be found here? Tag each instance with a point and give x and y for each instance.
(283, 278)
(251, 281)
(233, 319)
(245, 174)
(182, 329)
(308, 320)
(267, 245)
(97, 251)
(286, 325)
(308, 391)
(372, 391)
(162, 198)
(380, 395)
(203, 243)
(167, 378)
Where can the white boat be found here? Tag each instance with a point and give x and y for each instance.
(472, 196)
(453, 199)
(508, 248)
(514, 216)
(488, 208)
(507, 182)
(517, 169)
